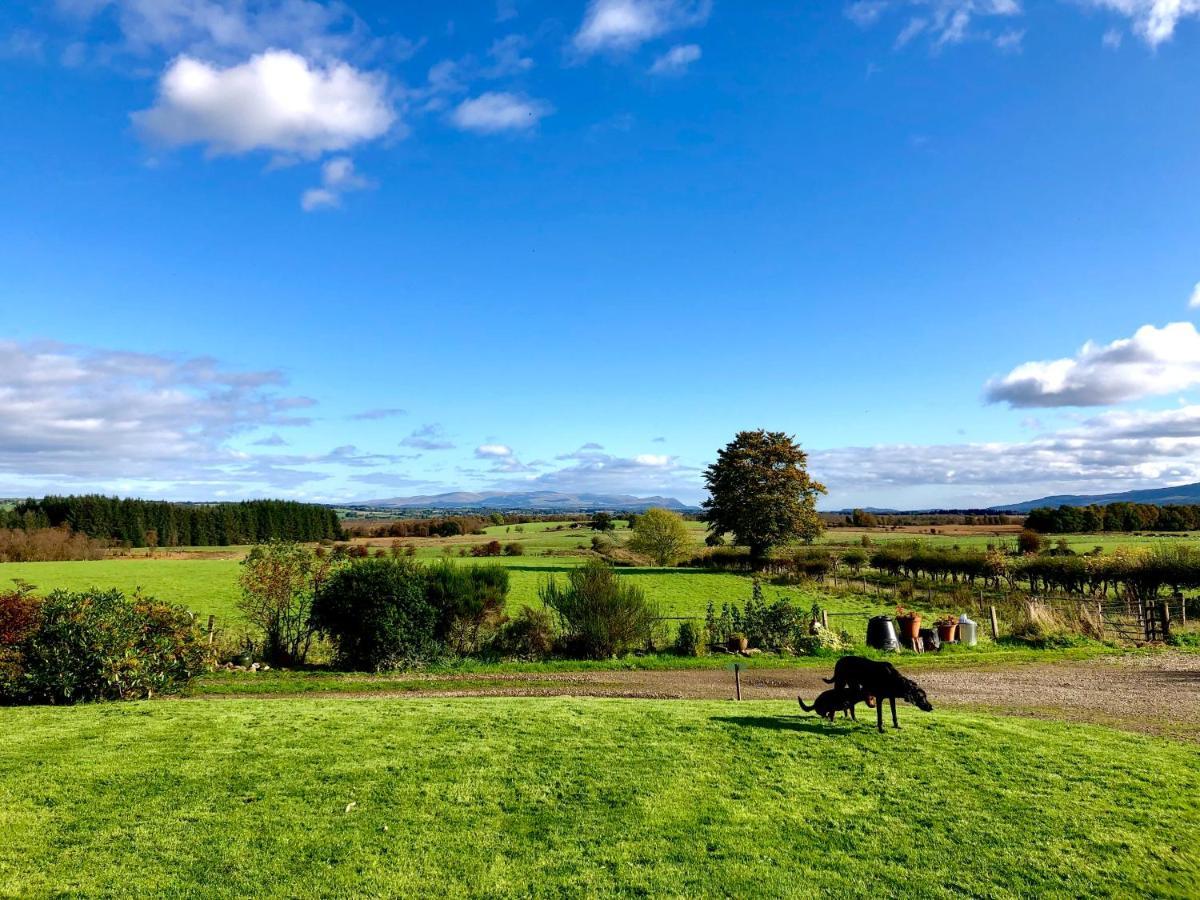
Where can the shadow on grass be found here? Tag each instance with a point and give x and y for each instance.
(811, 725)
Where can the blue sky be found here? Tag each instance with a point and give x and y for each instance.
(358, 250)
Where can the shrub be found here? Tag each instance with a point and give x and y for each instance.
(529, 635)
(726, 559)
(46, 544)
(377, 614)
(515, 548)
(97, 645)
(601, 616)
(469, 601)
(491, 548)
(689, 640)
(279, 581)
(1029, 541)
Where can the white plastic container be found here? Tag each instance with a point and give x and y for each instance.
(968, 631)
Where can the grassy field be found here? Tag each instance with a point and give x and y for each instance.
(206, 582)
(209, 586)
(560, 797)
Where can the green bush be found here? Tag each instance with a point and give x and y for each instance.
(469, 601)
(97, 645)
(689, 640)
(601, 616)
(378, 615)
(529, 635)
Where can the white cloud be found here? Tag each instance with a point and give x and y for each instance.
(627, 24)
(866, 12)
(74, 414)
(230, 29)
(1153, 362)
(493, 451)
(1194, 300)
(945, 22)
(1112, 38)
(1113, 451)
(337, 178)
(275, 101)
(1153, 20)
(676, 60)
(508, 55)
(1010, 40)
(495, 112)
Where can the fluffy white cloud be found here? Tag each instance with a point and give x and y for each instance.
(676, 60)
(276, 101)
(1153, 20)
(498, 111)
(1194, 300)
(493, 451)
(337, 178)
(627, 24)
(1153, 362)
(1109, 452)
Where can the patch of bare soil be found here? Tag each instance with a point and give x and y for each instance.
(1156, 693)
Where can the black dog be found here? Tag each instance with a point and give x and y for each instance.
(829, 703)
(881, 680)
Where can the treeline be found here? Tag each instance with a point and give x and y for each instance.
(446, 526)
(1113, 517)
(861, 518)
(155, 523)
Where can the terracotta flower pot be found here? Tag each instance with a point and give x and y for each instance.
(910, 627)
(948, 633)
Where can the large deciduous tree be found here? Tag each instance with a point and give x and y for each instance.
(760, 490)
(661, 535)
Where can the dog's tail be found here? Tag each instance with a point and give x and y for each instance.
(804, 706)
(829, 680)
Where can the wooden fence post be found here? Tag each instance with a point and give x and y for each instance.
(995, 624)
(825, 619)
(1166, 620)
(212, 624)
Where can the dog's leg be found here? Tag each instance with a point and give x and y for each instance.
(879, 717)
(895, 721)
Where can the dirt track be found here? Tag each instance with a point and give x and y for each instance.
(1156, 693)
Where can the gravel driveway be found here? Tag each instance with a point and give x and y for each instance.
(1157, 693)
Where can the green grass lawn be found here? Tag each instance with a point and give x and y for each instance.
(562, 797)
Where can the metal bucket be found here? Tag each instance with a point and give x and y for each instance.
(881, 633)
(968, 633)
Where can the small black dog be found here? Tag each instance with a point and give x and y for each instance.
(882, 681)
(829, 703)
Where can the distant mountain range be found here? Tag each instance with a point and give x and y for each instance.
(1180, 495)
(532, 501)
